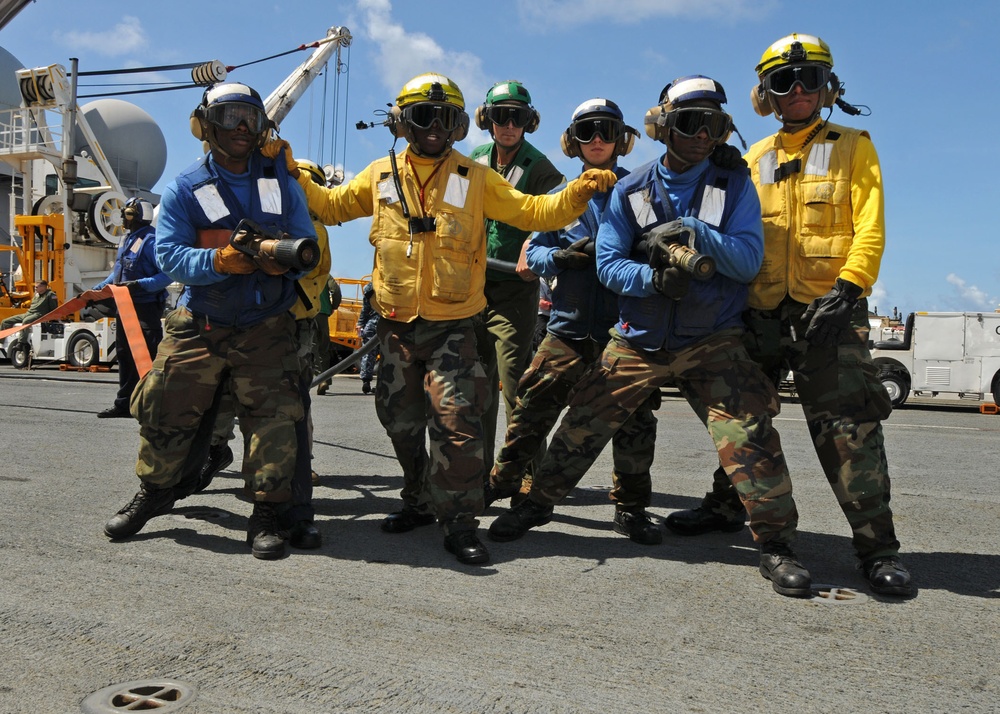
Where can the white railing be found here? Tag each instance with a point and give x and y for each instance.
(26, 134)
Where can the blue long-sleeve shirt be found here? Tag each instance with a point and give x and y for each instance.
(581, 306)
(724, 211)
(207, 197)
(136, 261)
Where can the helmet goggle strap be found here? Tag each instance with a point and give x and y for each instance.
(585, 130)
(502, 114)
(424, 114)
(229, 115)
(811, 77)
(689, 122)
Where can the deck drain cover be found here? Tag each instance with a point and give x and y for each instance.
(836, 595)
(161, 695)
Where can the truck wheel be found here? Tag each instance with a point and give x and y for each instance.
(897, 389)
(996, 388)
(83, 350)
(20, 354)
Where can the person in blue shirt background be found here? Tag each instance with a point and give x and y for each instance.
(135, 268)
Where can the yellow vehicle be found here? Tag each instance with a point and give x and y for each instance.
(344, 334)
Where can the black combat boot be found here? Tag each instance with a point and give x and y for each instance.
(787, 575)
(638, 526)
(148, 503)
(493, 493)
(466, 547)
(514, 523)
(888, 576)
(406, 520)
(263, 533)
(219, 457)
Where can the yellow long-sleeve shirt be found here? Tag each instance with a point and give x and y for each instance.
(824, 221)
(437, 271)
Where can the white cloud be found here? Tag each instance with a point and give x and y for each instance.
(972, 295)
(127, 36)
(540, 15)
(879, 299)
(403, 55)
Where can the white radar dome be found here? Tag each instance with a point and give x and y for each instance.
(131, 140)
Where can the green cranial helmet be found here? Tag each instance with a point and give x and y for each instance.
(508, 91)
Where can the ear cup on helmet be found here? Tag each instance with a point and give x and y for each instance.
(197, 122)
(569, 145)
(832, 92)
(758, 99)
(482, 121)
(626, 142)
(533, 123)
(394, 121)
(653, 123)
(462, 130)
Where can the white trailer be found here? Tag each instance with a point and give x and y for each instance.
(80, 344)
(942, 353)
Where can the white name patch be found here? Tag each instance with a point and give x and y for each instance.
(211, 202)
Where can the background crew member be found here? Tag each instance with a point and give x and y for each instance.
(135, 267)
(43, 302)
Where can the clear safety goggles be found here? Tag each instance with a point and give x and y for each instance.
(423, 116)
(586, 130)
(502, 114)
(811, 77)
(229, 115)
(688, 122)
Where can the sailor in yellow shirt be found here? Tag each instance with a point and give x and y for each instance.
(428, 208)
(820, 189)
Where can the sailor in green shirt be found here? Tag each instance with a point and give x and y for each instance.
(508, 323)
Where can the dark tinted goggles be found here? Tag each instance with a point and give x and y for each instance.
(812, 78)
(608, 129)
(423, 116)
(501, 115)
(688, 122)
(228, 116)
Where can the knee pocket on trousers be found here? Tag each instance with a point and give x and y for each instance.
(160, 401)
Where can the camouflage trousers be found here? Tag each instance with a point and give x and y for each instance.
(728, 392)
(844, 403)
(504, 332)
(258, 365)
(544, 390)
(299, 507)
(431, 384)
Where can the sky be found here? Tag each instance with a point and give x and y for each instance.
(927, 70)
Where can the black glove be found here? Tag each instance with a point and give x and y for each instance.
(132, 285)
(830, 315)
(672, 282)
(660, 237)
(728, 157)
(574, 257)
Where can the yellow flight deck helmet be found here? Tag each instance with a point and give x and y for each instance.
(313, 169)
(427, 98)
(795, 59)
(795, 48)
